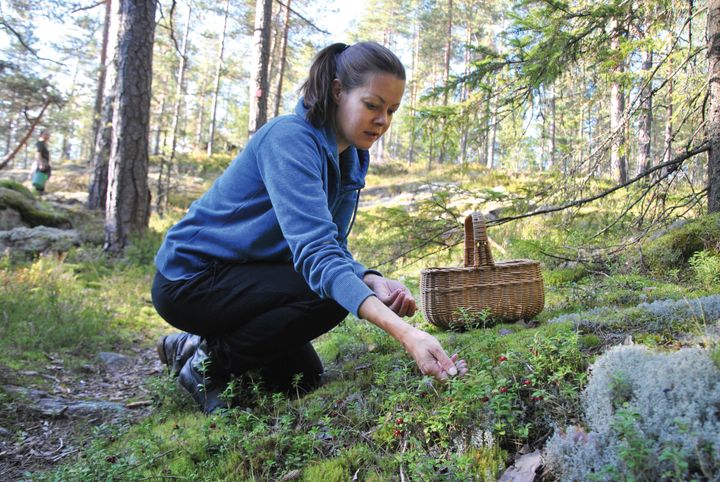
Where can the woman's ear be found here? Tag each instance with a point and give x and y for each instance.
(336, 89)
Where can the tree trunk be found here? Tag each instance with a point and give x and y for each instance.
(463, 98)
(283, 59)
(128, 203)
(216, 88)
(553, 127)
(712, 128)
(97, 192)
(491, 135)
(446, 79)
(413, 91)
(259, 72)
(160, 118)
(97, 110)
(645, 129)
(618, 158)
(667, 149)
(166, 165)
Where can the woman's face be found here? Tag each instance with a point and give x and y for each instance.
(365, 112)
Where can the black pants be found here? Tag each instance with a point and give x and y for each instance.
(254, 315)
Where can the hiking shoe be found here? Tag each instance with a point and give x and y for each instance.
(203, 381)
(174, 350)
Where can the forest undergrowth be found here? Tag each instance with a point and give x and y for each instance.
(610, 295)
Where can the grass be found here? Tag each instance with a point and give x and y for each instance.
(376, 418)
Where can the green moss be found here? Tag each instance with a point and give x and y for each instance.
(674, 249)
(31, 212)
(16, 186)
(345, 466)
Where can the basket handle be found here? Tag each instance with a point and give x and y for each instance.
(477, 248)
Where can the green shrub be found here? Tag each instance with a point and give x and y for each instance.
(650, 416)
(706, 267)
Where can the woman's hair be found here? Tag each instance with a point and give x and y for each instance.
(350, 64)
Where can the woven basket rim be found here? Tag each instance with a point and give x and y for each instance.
(506, 263)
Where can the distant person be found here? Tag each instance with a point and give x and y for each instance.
(259, 266)
(42, 162)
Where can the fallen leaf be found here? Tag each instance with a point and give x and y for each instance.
(524, 468)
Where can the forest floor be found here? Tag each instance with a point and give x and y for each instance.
(84, 397)
(56, 401)
(58, 405)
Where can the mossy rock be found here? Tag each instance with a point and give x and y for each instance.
(16, 186)
(31, 211)
(673, 249)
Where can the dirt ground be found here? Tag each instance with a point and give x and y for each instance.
(53, 409)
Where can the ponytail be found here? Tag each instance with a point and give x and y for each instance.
(350, 64)
(317, 89)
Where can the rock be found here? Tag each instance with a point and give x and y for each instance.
(113, 361)
(505, 332)
(94, 408)
(5, 432)
(52, 406)
(9, 219)
(31, 211)
(40, 239)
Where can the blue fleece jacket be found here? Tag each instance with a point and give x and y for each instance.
(287, 197)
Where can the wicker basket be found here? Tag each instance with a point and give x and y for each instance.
(510, 290)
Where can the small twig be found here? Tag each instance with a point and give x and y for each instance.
(89, 7)
(304, 19)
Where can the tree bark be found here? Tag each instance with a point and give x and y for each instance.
(645, 129)
(283, 59)
(618, 157)
(97, 191)
(128, 201)
(216, 88)
(492, 134)
(464, 96)
(97, 110)
(259, 72)
(414, 89)
(160, 118)
(712, 128)
(166, 165)
(446, 79)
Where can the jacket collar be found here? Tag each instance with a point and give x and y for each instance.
(355, 161)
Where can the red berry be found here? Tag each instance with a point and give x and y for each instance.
(397, 433)
(503, 389)
(527, 382)
(399, 421)
(485, 399)
(503, 358)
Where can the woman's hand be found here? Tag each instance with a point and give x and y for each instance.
(431, 358)
(393, 294)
